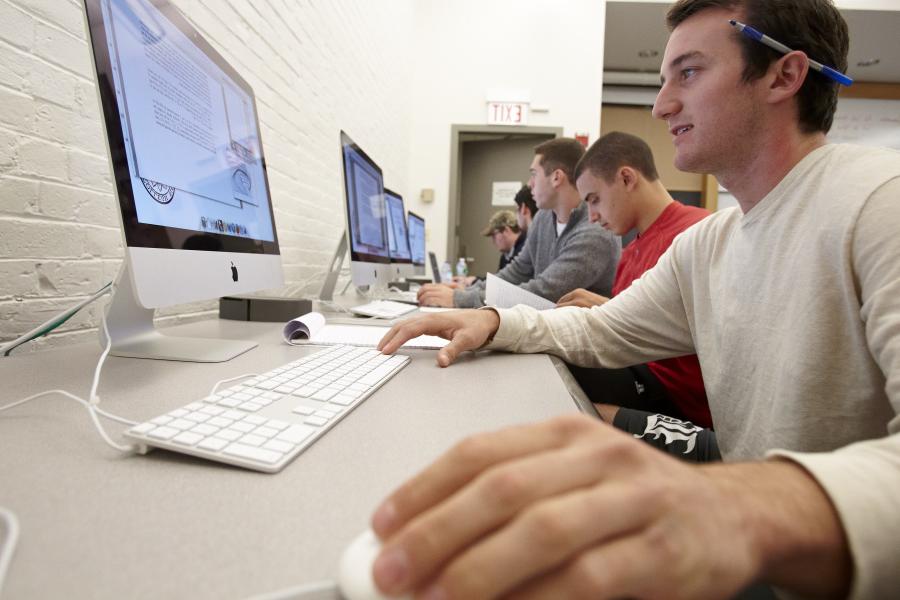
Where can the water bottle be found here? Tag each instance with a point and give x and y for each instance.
(462, 269)
(446, 272)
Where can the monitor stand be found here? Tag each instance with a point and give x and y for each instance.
(334, 270)
(133, 334)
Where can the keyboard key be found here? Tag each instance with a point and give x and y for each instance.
(295, 434)
(214, 444)
(205, 429)
(163, 433)
(219, 422)
(252, 439)
(376, 375)
(161, 420)
(279, 425)
(229, 402)
(181, 424)
(344, 399)
(304, 410)
(212, 410)
(256, 454)
(197, 416)
(234, 415)
(318, 421)
(325, 412)
(325, 394)
(250, 406)
(266, 432)
(254, 420)
(178, 412)
(142, 428)
(187, 438)
(278, 446)
(230, 434)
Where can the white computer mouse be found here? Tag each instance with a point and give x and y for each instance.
(355, 569)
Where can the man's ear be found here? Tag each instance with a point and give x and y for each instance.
(787, 75)
(628, 176)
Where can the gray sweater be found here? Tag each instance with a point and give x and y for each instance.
(584, 256)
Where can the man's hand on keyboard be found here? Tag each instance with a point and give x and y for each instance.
(466, 330)
(436, 294)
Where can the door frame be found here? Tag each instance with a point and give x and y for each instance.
(453, 200)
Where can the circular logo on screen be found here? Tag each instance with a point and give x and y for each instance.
(241, 181)
(161, 192)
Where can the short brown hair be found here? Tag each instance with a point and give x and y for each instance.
(813, 26)
(562, 154)
(615, 150)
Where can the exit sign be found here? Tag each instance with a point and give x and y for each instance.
(507, 113)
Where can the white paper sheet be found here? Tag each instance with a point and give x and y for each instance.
(312, 328)
(502, 294)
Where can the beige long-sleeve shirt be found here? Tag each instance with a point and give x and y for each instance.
(794, 312)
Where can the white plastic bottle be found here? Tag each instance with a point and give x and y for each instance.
(446, 272)
(462, 269)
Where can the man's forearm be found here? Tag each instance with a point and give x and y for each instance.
(791, 524)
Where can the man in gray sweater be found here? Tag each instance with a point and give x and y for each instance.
(564, 250)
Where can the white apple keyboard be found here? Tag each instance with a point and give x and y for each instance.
(263, 423)
(383, 309)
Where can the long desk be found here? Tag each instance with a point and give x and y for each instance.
(99, 524)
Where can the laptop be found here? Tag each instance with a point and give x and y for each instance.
(435, 269)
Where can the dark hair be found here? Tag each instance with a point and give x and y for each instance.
(524, 196)
(615, 150)
(813, 26)
(562, 154)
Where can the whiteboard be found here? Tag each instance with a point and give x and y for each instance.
(867, 122)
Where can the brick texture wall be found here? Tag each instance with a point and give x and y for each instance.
(316, 67)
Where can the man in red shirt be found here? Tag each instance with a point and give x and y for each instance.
(617, 177)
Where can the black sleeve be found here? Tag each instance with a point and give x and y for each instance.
(682, 439)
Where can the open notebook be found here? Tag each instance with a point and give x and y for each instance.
(312, 328)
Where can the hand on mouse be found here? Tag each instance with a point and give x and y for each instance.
(574, 508)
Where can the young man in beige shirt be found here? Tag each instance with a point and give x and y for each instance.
(792, 304)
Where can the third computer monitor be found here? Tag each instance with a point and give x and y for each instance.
(416, 228)
(367, 224)
(401, 259)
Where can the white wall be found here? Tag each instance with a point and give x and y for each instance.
(553, 50)
(315, 67)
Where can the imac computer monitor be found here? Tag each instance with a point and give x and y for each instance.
(367, 223)
(188, 169)
(401, 259)
(416, 228)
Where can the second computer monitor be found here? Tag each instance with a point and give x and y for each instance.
(401, 259)
(416, 229)
(367, 224)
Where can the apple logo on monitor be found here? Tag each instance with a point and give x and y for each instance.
(234, 272)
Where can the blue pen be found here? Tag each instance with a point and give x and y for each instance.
(753, 34)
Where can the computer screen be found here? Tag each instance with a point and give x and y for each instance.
(397, 238)
(367, 222)
(186, 155)
(417, 241)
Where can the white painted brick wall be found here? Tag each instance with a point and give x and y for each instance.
(316, 67)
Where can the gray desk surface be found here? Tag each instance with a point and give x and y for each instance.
(99, 524)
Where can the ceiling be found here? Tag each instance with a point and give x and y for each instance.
(634, 29)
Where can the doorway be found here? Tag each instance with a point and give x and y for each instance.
(481, 156)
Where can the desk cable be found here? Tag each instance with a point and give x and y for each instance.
(52, 323)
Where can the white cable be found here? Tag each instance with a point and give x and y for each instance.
(91, 404)
(9, 544)
(81, 401)
(8, 347)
